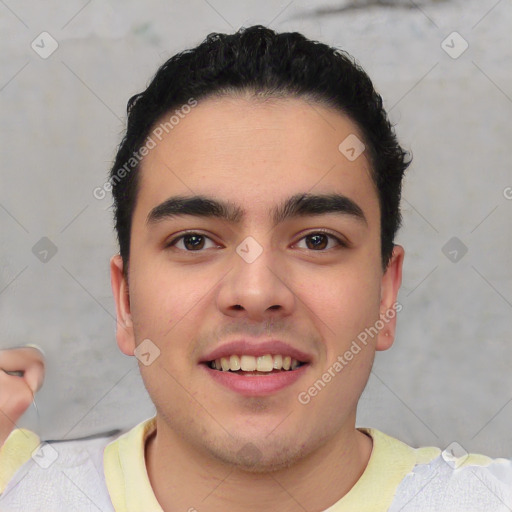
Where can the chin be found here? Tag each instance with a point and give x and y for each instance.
(251, 459)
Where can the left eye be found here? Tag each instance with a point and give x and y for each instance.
(318, 240)
(195, 240)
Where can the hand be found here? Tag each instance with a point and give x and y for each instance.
(21, 376)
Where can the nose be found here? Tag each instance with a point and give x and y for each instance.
(257, 287)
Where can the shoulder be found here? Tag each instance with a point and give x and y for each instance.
(429, 479)
(67, 475)
(16, 450)
(455, 481)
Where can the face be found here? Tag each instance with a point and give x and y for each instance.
(312, 281)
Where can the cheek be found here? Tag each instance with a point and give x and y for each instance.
(168, 309)
(335, 391)
(345, 300)
(161, 297)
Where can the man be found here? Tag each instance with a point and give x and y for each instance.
(256, 198)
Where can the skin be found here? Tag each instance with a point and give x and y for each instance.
(17, 392)
(259, 453)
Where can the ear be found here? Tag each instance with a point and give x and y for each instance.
(389, 308)
(124, 332)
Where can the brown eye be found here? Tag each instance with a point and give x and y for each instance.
(192, 242)
(318, 241)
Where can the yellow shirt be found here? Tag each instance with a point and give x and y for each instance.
(130, 490)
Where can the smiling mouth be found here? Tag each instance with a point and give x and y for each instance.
(251, 365)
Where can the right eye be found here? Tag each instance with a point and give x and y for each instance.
(191, 239)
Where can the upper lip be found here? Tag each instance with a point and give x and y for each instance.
(247, 347)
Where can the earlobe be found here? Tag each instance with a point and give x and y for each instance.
(389, 306)
(124, 331)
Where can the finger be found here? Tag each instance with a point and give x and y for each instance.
(15, 398)
(20, 359)
(34, 377)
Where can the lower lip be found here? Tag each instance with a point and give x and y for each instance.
(254, 385)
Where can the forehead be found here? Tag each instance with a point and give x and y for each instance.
(253, 152)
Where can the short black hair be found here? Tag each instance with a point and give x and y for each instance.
(261, 61)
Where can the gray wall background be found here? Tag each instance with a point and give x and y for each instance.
(448, 376)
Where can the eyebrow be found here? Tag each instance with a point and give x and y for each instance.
(298, 205)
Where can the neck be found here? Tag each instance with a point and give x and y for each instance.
(183, 478)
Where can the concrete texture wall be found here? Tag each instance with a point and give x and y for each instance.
(444, 70)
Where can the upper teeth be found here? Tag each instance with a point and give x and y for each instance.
(265, 363)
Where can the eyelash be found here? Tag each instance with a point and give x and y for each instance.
(340, 242)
